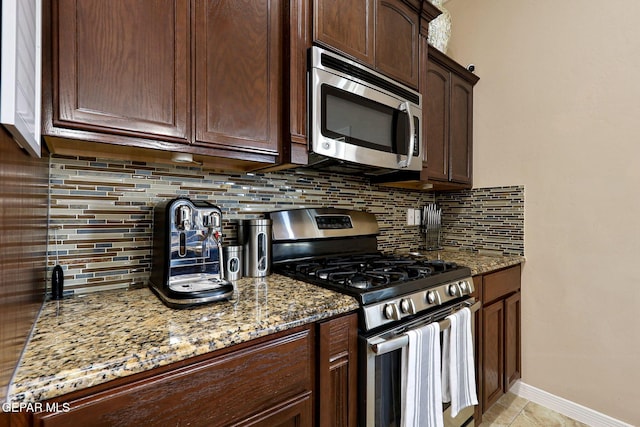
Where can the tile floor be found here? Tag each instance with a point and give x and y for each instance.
(513, 411)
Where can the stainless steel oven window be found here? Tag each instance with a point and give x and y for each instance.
(388, 389)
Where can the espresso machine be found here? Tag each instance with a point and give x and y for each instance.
(187, 265)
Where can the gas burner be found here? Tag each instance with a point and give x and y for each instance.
(365, 280)
(367, 272)
(336, 275)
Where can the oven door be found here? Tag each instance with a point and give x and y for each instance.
(381, 379)
(355, 121)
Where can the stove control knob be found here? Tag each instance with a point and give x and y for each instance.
(453, 289)
(464, 288)
(407, 306)
(391, 311)
(431, 297)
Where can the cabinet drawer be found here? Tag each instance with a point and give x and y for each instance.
(501, 283)
(216, 392)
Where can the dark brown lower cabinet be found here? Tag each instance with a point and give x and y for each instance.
(268, 382)
(337, 372)
(512, 318)
(493, 352)
(294, 413)
(499, 342)
(271, 380)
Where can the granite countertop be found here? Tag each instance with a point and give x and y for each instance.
(91, 339)
(94, 338)
(479, 263)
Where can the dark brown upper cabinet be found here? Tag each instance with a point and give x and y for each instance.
(346, 25)
(238, 56)
(123, 67)
(383, 34)
(173, 76)
(448, 124)
(397, 41)
(298, 37)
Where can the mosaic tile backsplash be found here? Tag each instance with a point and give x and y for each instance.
(485, 219)
(102, 212)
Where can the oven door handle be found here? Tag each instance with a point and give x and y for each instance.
(403, 340)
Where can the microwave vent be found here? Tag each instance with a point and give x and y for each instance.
(359, 73)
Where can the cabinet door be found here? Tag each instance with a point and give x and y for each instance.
(346, 25)
(20, 68)
(337, 372)
(397, 41)
(238, 62)
(122, 67)
(492, 353)
(299, 36)
(512, 340)
(437, 121)
(461, 130)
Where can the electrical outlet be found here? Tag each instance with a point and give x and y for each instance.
(413, 216)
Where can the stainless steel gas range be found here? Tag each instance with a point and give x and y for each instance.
(337, 249)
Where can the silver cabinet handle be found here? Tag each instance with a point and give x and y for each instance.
(404, 161)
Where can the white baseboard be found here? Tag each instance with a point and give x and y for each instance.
(566, 407)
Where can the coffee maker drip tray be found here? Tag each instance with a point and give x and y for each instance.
(190, 290)
(199, 282)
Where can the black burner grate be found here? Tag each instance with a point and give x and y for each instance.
(368, 271)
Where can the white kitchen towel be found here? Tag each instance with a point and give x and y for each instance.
(458, 371)
(421, 381)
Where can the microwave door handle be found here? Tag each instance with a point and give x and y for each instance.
(404, 161)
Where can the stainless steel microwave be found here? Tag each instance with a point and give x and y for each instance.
(359, 120)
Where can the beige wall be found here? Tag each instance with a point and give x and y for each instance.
(557, 109)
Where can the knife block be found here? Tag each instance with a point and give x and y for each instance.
(433, 235)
